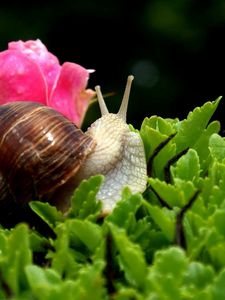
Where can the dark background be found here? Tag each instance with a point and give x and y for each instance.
(174, 48)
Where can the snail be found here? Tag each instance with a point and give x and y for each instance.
(44, 156)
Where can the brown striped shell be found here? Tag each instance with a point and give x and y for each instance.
(40, 151)
(43, 156)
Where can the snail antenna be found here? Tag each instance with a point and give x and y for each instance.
(122, 113)
(101, 101)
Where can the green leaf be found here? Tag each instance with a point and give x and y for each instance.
(151, 138)
(199, 275)
(128, 294)
(217, 147)
(141, 230)
(88, 233)
(187, 167)
(149, 238)
(63, 260)
(172, 262)
(38, 243)
(186, 188)
(218, 288)
(84, 203)
(124, 213)
(90, 283)
(3, 241)
(213, 186)
(47, 213)
(153, 131)
(217, 174)
(132, 259)
(38, 276)
(164, 126)
(202, 145)
(162, 159)
(219, 221)
(190, 130)
(167, 192)
(46, 284)
(196, 233)
(16, 257)
(216, 254)
(166, 275)
(164, 218)
(177, 194)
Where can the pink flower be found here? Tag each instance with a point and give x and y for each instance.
(28, 72)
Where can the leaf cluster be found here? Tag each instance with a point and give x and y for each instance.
(167, 243)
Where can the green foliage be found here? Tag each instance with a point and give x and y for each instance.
(83, 202)
(168, 243)
(48, 213)
(15, 255)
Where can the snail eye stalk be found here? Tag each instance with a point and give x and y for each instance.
(101, 101)
(122, 113)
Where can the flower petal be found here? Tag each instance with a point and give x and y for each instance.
(69, 95)
(39, 54)
(20, 79)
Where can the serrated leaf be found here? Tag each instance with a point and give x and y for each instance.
(199, 275)
(132, 259)
(47, 284)
(84, 203)
(150, 239)
(3, 242)
(124, 213)
(177, 194)
(16, 258)
(190, 130)
(218, 288)
(88, 233)
(166, 274)
(47, 213)
(202, 145)
(151, 138)
(171, 262)
(162, 125)
(164, 218)
(63, 260)
(162, 159)
(217, 174)
(195, 223)
(142, 228)
(219, 221)
(217, 147)
(153, 131)
(213, 186)
(216, 255)
(38, 243)
(187, 167)
(186, 188)
(90, 283)
(38, 276)
(167, 192)
(128, 294)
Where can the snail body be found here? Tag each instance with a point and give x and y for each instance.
(44, 156)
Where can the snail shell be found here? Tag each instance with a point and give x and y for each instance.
(44, 156)
(40, 151)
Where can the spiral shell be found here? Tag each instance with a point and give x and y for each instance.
(40, 150)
